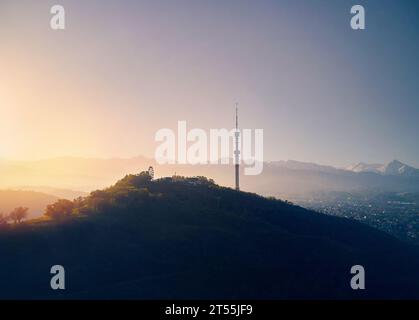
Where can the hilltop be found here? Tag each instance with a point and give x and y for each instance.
(190, 238)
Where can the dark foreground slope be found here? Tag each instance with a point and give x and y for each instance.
(189, 238)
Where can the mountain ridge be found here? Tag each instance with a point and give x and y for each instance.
(394, 168)
(280, 178)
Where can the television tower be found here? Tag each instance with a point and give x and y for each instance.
(237, 151)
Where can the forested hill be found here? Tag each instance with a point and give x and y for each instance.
(190, 238)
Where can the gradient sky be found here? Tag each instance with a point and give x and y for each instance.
(124, 69)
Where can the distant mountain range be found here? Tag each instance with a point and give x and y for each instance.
(292, 178)
(284, 179)
(394, 168)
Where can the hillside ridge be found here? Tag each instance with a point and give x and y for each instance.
(190, 238)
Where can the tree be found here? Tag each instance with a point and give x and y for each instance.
(138, 180)
(61, 209)
(18, 214)
(4, 218)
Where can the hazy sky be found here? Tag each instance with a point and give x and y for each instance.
(124, 69)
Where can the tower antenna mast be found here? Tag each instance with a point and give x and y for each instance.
(237, 151)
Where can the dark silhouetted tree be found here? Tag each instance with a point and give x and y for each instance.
(61, 209)
(4, 218)
(137, 180)
(18, 214)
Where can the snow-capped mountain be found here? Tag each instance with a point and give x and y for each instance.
(398, 168)
(394, 168)
(365, 167)
(300, 179)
